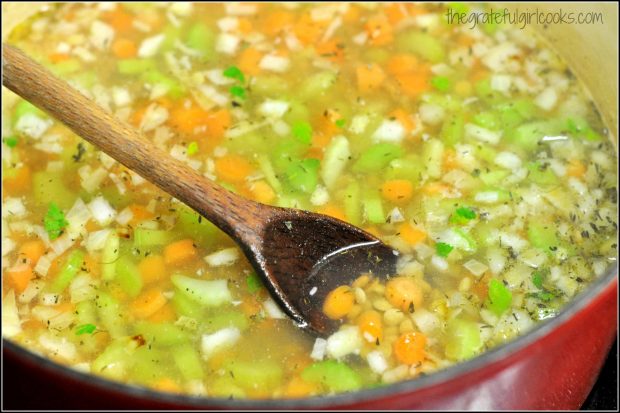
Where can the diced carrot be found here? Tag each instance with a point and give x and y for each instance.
(316, 152)
(250, 306)
(151, 18)
(65, 307)
(409, 348)
(120, 20)
(449, 159)
(140, 213)
(379, 30)
(414, 83)
(188, 120)
(167, 385)
(58, 57)
(249, 60)
(433, 188)
(404, 293)
(217, 124)
(352, 14)
(262, 192)
(370, 324)
(33, 324)
(233, 168)
(404, 118)
(309, 31)
(297, 388)
(338, 302)
(124, 48)
(465, 40)
(369, 77)
(117, 292)
(396, 12)
(477, 73)
(325, 128)
(397, 190)
(148, 303)
(244, 25)
(32, 251)
(179, 251)
(333, 211)
(137, 115)
(92, 265)
(164, 315)
(19, 277)
(576, 168)
(331, 50)
(277, 21)
(17, 181)
(410, 234)
(152, 269)
(401, 63)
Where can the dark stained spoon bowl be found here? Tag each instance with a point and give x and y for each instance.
(300, 255)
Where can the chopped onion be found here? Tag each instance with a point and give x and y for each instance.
(62, 243)
(82, 288)
(482, 134)
(320, 196)
(150, 46)
(377, 362)
(101, 35)
(272, 309)
(228, 23)
(13, 208)
(347, 340)
(508, 160)
(431, 114)
(224, 257)
(547, 99)
(227, 43)
(426, 321)
(78, 216)
(102, 211)
(319, 349)
(96, 240)
(154, 116)
(213, 95)
(212, 343)
(389, 131)
(273, 108)
(274, 63)
(475, 267)
(11, 325)
(240, 9)
(59, 346)
(124, 216)
(32, 125)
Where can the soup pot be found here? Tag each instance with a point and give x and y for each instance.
(553, 366)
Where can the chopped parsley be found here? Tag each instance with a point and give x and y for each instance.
(54, 221)
(254, 283)
(192, 148)
(462, 215)
(537, 279)
(11, 141)
(443, 249)
(85, 329)
(441, 83)
(303, 132)
(237, 91)
(340, 123)
(234, 72)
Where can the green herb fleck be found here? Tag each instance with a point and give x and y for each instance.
(303, 132)
(254, 283)
(443, 249)
(234, 72)
(54, 221)
(441, 83)
(462, 215)
(11, 141)
(192, 148)
(500, 297)
(85, 329)
(237, 91)
(340, 123)
(537, 279)
(545, 296)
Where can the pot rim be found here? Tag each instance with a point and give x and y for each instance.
(488, 359)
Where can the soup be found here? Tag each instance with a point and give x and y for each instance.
(475, 153)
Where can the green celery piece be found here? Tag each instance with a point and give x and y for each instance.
(462, 215)
(425, 45)
(210, 293)
(286, 152)
(373, 210)
(175, 88)
(333, 375)
(500, 297)
(409, 168)
(111, 315)
(148, 365)
(201, 38)
(542, 236)
(483, 89)
(493, 178)
(270, 86)
(11, 141)
(85, 329)
(254, 283)
(303, 132)
(335, 160)
(463, 339)
(86, 312)
(109, 256)
(135, 66)
(228, 318)
(538, 278)
(226, 387)
(487, 120)
(298, 112)
(541, 174)
(203, 232)
(443, 249)
(441, 83)
(144, 238)
(24, 107)
(352, 205)
(185, 306)
(265, 166)
(162, 334)
(528, 135)
(188, 361)
(49, 187)
(303, 175)
(452, 129)
(128, 276)
(317, 84)
(377, 157)
(432, 155)
(68, 272)
(467, 242)
(114, 361)
(266, 374)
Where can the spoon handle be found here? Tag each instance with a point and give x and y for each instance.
(237, 216)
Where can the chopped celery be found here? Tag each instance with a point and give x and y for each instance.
(492, 178)
(188, 362)
(336, 157)
(409, 168)
(270, 86)
(109, 255)
(128, 276)
(352, 208)
(432, 156)
(144, 238)
(486, 93)
(302, 131)
(259, 373)
(220, 320)
(579, 127)
(297, 112)
(441, 83)
(452, 129)
(161, 334)
(373, 210)
(541, 174)
(423, 44)
(303, 175)
(463, 339)
(49, 187)
(185, 306)
(201, 38)
(254, 283)
(210, 293)
(68, 272)
(529, 135)
(195, 226)
(377, 157)
(487, 120)
(286, 151)
(86, 312)
(500, 297)
(226, 386)
(114, 361)
(317, 84)
(333, 375)
(265, 166)
(110, 314)
(155, 77)
(148, 365)
(135, 66)
(542, 236)
(24, 107)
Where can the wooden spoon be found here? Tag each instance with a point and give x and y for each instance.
(300, 255)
